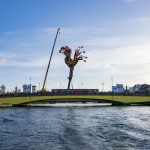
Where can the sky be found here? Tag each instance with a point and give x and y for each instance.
(115, 35)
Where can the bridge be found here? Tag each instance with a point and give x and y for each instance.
(114, 100)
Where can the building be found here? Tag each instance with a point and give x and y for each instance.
(24, 88)
(2, 90)
(137, 88)
(34, 89)
(140, 88)
(131, 90)
(17, 90)
(75, 91)
(118, 88)
(29, 88)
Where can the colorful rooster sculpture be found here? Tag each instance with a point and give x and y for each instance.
(67, 51)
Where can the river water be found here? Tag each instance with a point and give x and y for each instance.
(75, 127)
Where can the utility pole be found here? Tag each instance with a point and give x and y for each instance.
(39, 87)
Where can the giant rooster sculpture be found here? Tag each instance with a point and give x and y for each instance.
(67, 51)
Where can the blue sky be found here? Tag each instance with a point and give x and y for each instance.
(115, 35)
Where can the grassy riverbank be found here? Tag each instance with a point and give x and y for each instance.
(123, 99)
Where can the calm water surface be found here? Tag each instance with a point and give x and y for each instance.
(75, 127)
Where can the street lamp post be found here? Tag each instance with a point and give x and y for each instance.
(112, 86)
(60, 85)
(39, 87)
(30, 87)
(102, 86)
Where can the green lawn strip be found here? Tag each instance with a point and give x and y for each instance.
(131, 99)
(19, 100)
(124, 99)
(114, 98)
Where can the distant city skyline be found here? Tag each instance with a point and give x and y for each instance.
(115, 35)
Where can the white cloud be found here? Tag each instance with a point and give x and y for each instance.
(3, 61)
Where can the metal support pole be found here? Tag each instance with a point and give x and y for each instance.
(50, 61)
(70, 76)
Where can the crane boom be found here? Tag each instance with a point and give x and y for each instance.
(43, 88)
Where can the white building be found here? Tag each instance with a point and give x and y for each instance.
(33, 89)
(131, 90)
(118, 88)
(137, 88)
(114, 89)
(29, 88)
(24, 88)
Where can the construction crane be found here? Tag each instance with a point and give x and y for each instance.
(43, 88)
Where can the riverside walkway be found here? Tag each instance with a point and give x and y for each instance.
(114, 100)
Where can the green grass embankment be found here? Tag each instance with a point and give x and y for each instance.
(123, 99)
